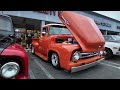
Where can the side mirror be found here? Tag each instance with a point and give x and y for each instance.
(43, 33)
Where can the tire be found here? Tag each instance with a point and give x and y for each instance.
(109, 53)
(55, 60)
(32, 49)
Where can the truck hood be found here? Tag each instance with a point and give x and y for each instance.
(84, 30)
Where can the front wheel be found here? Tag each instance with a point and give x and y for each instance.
(109, 53)
(55, 60)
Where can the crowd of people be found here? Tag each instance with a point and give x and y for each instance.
(26, 39)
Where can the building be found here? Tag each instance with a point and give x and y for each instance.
(25, 21)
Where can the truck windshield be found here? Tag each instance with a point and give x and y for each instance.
(56, 30)
(5, 24)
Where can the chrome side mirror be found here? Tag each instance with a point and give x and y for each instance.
(43, 33)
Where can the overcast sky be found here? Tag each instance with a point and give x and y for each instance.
(112, 14)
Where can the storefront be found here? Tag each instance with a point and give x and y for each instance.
(32, 21)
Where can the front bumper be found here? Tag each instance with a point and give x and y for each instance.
(79, 68)
(117, 53)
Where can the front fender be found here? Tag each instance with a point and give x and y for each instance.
(18, 52)
(64, 51)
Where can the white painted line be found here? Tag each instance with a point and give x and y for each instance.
(111, 62)
(110, 65)
(32, 76)
(44, 70)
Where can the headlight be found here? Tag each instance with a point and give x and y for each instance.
(102, 52)
(76, 56)
(9, 70)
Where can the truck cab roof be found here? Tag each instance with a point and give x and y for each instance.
(53, 24)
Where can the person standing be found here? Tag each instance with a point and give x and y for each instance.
(28, 40)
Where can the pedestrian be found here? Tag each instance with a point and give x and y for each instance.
(28, 40)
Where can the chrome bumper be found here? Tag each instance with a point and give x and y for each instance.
(79, 68)
(118, 53)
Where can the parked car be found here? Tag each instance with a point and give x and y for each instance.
(112, 45)
(74, 46)
(13, 57)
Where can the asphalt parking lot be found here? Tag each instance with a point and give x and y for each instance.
(107, 69)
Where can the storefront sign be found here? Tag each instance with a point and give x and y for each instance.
(103, 24)
(47, 12)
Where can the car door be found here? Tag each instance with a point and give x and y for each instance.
(44, 41)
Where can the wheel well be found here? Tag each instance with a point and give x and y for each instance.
(49, 55)
(108, 49)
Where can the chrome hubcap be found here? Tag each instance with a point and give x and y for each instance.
(54, 59)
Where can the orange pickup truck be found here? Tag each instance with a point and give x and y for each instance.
(75, 45)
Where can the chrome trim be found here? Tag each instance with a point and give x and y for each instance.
(82, 67)
(86, 55)
(10, 63)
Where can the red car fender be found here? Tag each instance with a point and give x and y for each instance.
(35, 43)
(16, 50)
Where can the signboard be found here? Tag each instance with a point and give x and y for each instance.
(103, 24)
(47, 12)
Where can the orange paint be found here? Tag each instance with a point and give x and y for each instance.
(83, 30)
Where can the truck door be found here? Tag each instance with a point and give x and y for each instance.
(44, 42)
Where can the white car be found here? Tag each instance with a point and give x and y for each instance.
(112, 45)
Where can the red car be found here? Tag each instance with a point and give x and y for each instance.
(74, 46)
(13, 57)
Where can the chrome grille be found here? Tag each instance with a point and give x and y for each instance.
(86, 55)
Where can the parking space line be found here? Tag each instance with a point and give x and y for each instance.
(32, 76)
(44, 70)
(110, 65)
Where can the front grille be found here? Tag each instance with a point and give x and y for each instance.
(87, 55)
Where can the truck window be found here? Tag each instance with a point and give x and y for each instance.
(109, 38)
(55, 30)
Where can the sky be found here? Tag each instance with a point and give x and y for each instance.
(111, 14)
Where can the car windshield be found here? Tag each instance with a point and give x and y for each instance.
(117, 38)
(109, 38)
(5, 24)
(56, 30)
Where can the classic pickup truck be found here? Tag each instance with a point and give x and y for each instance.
(75, 45)
(13, 57)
